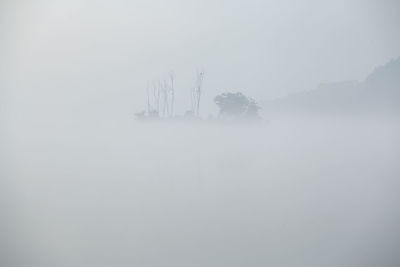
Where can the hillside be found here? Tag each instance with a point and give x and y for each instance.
(379, 92)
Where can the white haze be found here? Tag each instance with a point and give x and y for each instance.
(84, 184)
(94, 58)
(285, 193)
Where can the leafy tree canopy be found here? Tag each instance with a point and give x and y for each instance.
(237, 105)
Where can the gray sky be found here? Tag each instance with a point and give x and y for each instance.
(101, 54)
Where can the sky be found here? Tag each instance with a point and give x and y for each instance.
(97, 57)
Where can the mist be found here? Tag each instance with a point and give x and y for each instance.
(291, 158)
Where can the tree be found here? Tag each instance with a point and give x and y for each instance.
(171, 93)
(236, 106)
(196, 93)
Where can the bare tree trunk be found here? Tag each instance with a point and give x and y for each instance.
(156, 93)
(196, 94)
(148, 101)
(172, 90)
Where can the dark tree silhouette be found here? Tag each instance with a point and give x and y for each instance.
(237, 105)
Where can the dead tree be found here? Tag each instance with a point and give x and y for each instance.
(149, 108)
(164, 97)
(171, 91)
(161, 102)
(196, 93)
(156, 94)
(167, 96)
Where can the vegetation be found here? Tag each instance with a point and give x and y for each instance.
(236, 106)
(160, 103)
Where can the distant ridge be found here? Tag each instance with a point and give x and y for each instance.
(379, 92)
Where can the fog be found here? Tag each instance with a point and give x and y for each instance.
(286, 193)
(95, 58)
(309, 179)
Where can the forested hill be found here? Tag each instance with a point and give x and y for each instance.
(379, 92)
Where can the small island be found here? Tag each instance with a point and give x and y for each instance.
(233, 107)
